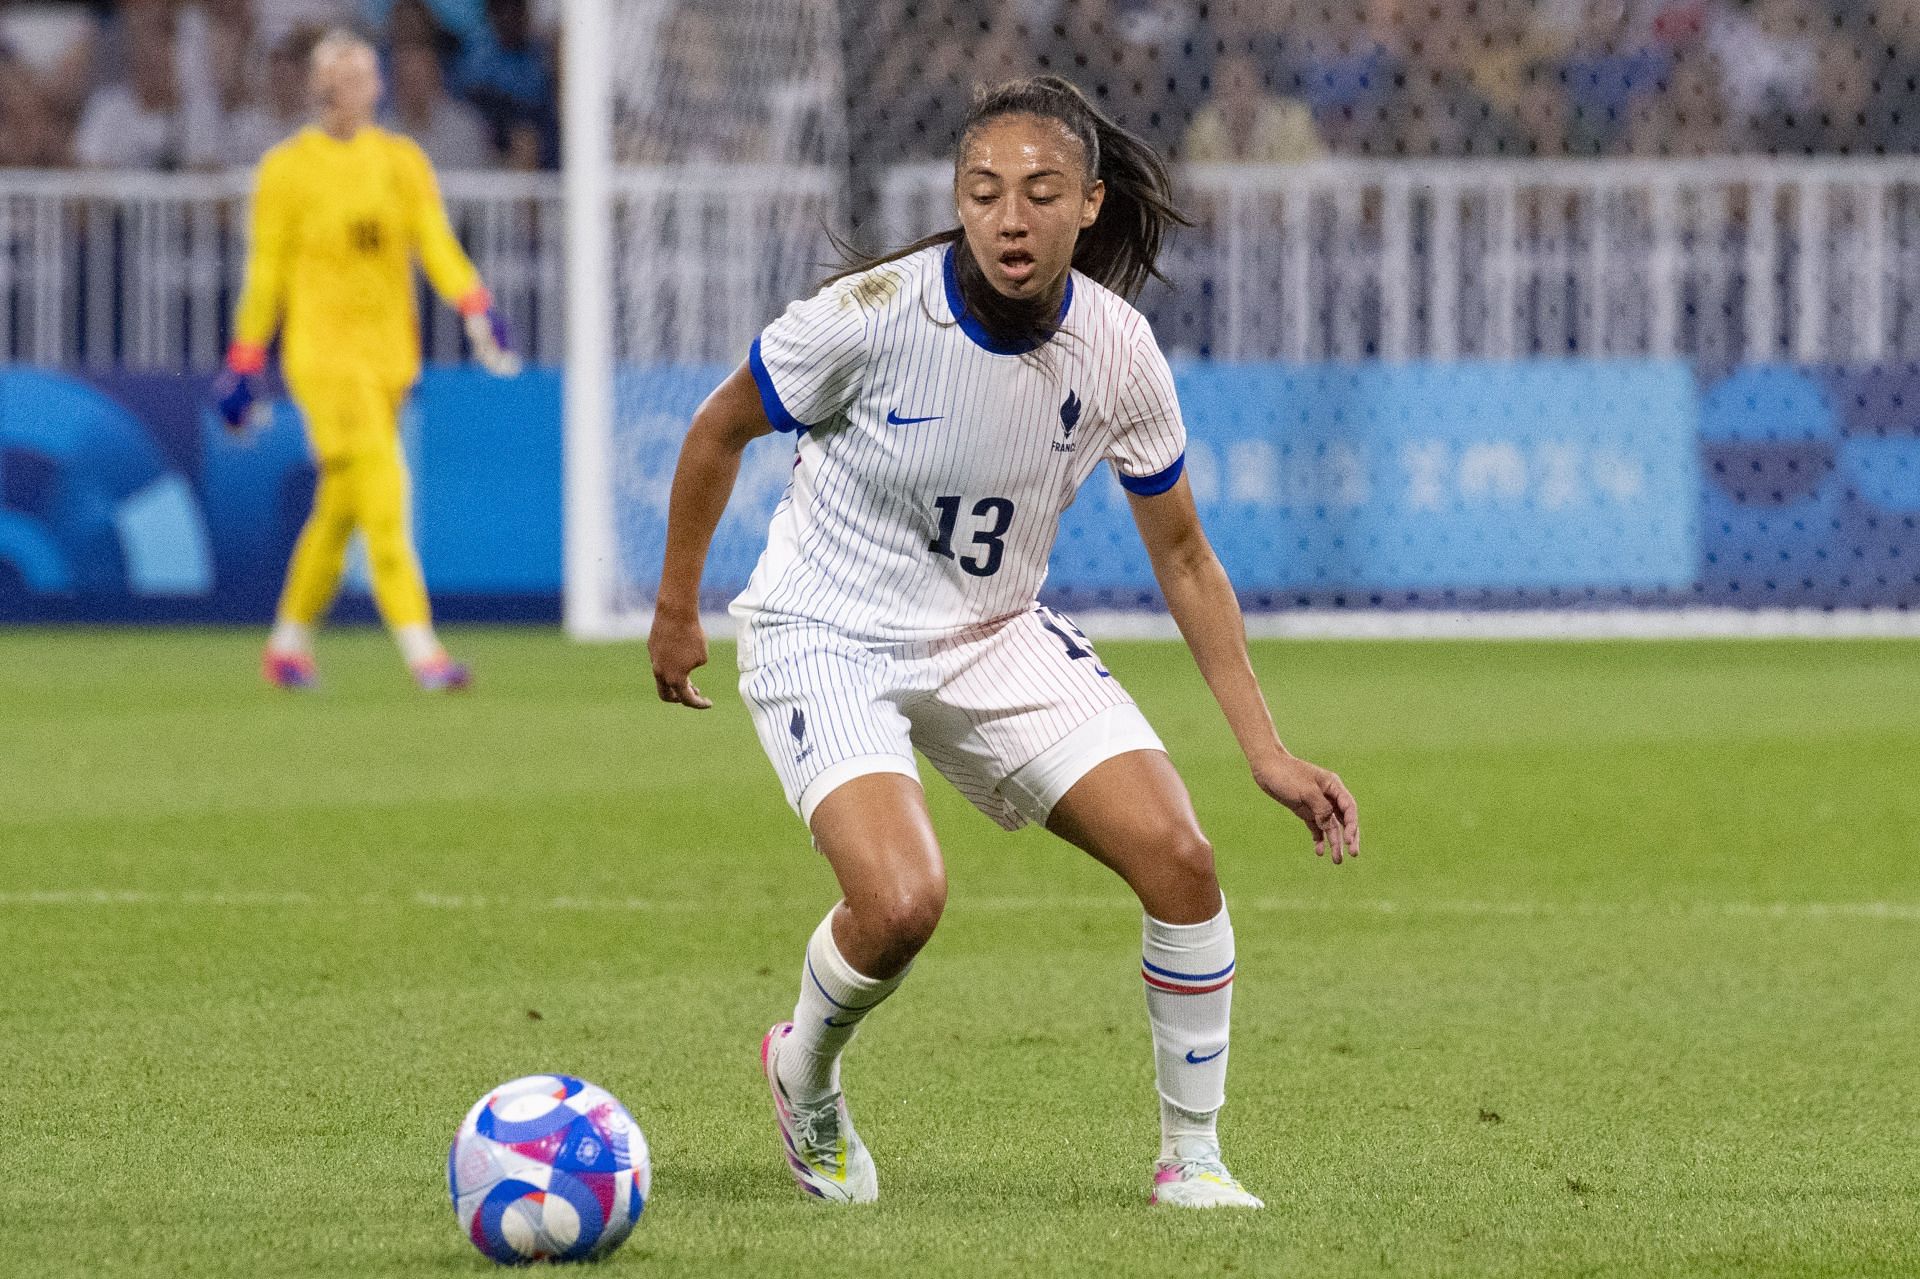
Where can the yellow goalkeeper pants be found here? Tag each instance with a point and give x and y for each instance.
(353, 425)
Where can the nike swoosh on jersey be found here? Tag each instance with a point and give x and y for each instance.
(894, 418)
(1195, 1061)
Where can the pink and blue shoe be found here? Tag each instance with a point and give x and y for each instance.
(1194, 1177)
(293, 671)
(824, 1153)
(443, 675)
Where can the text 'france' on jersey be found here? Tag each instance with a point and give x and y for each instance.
(933, 462)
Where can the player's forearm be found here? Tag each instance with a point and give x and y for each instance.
(702, 482)
(1202, 602)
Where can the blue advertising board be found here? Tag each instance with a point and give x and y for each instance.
(1541, 484)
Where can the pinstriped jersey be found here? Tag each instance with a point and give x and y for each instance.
(933, 462)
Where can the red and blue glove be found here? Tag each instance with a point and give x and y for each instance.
(487, 332)
(236, 392)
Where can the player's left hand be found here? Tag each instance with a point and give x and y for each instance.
(1317, 797)
(492, 342)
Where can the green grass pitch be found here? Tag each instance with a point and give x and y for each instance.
(1626, 982)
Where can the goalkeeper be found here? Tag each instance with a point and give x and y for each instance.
(340, 211)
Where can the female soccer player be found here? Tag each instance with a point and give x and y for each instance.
(339, 214)
(949, 400)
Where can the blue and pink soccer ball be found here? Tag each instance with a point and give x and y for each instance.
(548, 1168)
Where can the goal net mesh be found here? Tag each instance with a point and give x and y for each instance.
(1528, 311)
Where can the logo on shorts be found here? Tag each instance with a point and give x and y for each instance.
(798, 727)
(1069, 418)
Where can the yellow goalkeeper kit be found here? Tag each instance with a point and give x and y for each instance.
(336, 228)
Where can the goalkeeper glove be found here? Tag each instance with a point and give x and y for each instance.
(487, 332)
(236, 392)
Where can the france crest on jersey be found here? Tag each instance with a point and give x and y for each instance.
(933, 462)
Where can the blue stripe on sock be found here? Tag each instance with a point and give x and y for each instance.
(845, 1008)
(1168, 972)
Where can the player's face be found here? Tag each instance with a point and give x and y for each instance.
(1024, 197)
(347, 84)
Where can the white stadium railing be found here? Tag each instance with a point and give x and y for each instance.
(1722, 261)
(141, 271)
(1730, 260)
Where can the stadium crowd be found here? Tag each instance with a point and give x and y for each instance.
(205, 84)
(171, 85)
(1281, 80)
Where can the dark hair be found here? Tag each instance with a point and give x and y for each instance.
(1120, 250)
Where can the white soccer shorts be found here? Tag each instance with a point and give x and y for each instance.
(1012, 714)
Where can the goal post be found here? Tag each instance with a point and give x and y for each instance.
(588, 552)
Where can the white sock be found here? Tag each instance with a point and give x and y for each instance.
(295, 639)
(418, 644)
(1188, 970)
(833, 1000)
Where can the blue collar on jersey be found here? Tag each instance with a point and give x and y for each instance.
(975, 330)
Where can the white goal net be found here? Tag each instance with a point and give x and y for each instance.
(706, 153)
(1496, 319)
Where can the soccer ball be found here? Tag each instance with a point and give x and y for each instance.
(548, 1168)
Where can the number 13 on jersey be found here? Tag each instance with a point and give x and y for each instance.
(997, 514)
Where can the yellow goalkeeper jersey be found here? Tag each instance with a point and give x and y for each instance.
(336, 228)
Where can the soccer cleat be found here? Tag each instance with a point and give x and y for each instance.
(824, 1153)
(289, 670)
(1195, 1178)
(443, 675)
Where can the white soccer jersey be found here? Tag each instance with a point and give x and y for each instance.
(933, 463)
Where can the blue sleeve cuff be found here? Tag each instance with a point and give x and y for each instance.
(769, 398)
(1158, 482)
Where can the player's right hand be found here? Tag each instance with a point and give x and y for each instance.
(677, 646)
(236, 392)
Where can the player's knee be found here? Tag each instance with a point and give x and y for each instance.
(1186, 857)
(904, 915)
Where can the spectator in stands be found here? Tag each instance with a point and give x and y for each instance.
(1244, 121)
(1768, 60)
(1426, 100)
(918, 77)
(1889, 42)
(461, 22)
(56, 45)
(31, 133)
(1687, 118)
(698, 113)
(276, 110)
(507, 72)
(453, 134)
(414, 22)
(148, 122)
(1608, 71)
(1351, 59)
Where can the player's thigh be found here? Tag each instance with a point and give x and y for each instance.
(1132, 813)
(825, 711)
(874, 830)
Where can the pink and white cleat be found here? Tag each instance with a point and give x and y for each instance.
(443, 675)
(1195, 1178)
(824, 1153)
(293, 671)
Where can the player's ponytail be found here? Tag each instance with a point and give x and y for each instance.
(1120, 250)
